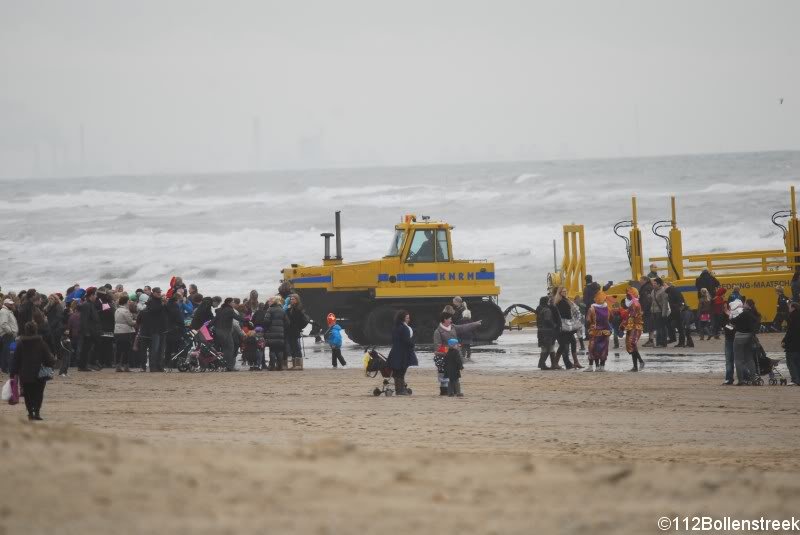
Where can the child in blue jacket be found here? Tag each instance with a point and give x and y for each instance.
(334, 337)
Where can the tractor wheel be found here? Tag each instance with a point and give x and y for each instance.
(355, 332)
(493, 321)
(379, 324)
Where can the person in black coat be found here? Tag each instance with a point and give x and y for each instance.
(175, 326)
(708, 281)
(223, 332)
(546, 332)
(202, 314)
(32, 353)
(791, 343)
(104, 347)
(297, 322)
(452, 368)
(402, 354)
(274, 324)
(90, 331)
(676, 302)
(154, 325)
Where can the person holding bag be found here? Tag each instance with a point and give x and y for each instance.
(33, 363)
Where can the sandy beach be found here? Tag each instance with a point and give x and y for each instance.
(315, 452)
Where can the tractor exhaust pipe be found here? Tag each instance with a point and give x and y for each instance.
(327, 236)
(338, 235)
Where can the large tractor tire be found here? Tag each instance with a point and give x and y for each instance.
(355, 332)
(494, 321)
(379, 324)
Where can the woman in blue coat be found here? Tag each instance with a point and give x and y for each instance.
(402, 354)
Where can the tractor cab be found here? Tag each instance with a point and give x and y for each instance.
(421, 242)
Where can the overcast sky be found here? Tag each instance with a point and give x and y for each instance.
(202, 86)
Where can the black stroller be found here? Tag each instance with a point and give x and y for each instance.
(374, 364)
(766, 366)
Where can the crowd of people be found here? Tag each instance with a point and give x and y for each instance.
(655, 307)
(100, 327)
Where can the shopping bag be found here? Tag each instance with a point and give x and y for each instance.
(14, 391)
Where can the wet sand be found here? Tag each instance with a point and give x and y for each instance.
(315, 452)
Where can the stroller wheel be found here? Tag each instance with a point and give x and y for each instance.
(376, 392)
(408, 391)
(388, 392)
(773, 382)
(783, 382)
(759, 381)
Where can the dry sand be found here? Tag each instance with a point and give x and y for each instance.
(315, 452)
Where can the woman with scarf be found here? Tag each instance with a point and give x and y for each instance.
(444, 332)
(634, 325)
(599, 331)
(402, 354)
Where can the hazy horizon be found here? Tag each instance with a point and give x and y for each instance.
(107, 88)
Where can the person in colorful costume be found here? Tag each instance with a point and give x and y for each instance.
(599, 331)
(633, 327)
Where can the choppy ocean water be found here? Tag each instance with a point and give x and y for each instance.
(232, 233)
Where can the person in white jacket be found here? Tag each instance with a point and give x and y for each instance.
(8, 332)
(124, 333)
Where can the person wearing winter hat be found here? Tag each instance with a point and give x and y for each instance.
(452, 368)
(334, 337)
(633, 327)
(599, 331)
(90, 331)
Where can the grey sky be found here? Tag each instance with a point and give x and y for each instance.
(175, 86)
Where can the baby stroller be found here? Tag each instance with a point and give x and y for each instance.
(374, 364)
(766, 366)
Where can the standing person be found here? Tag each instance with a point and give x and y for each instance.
(704, 310)
(688, 321)
(202, 314)
(223, 334)
(546, 332)
(706, 281)
(54, 310)
(676, 302)
(459, 308)
(452, 368)
(736, 294)
(74, 333)
(589, 291)
(124, 332)
(660, 312)
(795, 287)
(154, 324)
(275, 323)
(791, 343)
(599, 332)
(31, 354)
(633, 326)
(781, 310)
(90, 331)
(297, 322)
(567, 333)
(9, 330)
(719, 316)
(334, 336)
(251, 305)
(444, 332)
(466, 340)
(105, 342)
(175, 326)
(581, 333)
(402, 355)
(645, 301)
(653, 272)
(744, 322)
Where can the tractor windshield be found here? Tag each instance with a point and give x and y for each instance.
(397, 243)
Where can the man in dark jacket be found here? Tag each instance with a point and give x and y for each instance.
(781, 311)
(676, 302)
(708, 281)
(154, 325)
(90, 331)
(274, 324)
(223, 332)
(546, 332)
(791, 343)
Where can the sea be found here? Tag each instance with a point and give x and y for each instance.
(233, 232)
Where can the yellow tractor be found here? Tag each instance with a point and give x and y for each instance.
(419, 274)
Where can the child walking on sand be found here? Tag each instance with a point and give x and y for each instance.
(452, 368)
(599, 331)
(334, 337)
